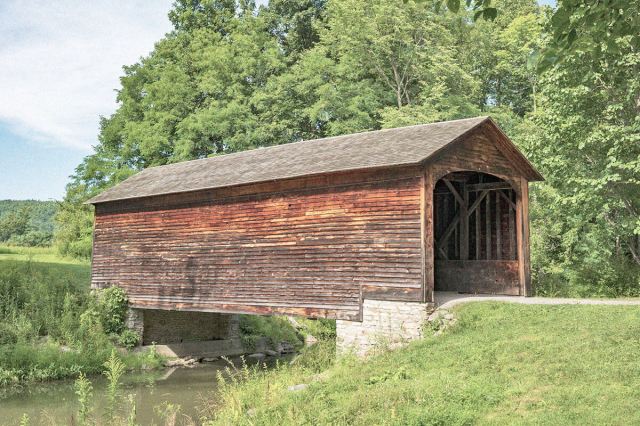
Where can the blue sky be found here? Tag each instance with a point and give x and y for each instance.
(60, 64)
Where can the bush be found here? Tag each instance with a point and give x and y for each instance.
(128, 339)
(113, 304)
(31, 239)
(8, 335)
(276, 329)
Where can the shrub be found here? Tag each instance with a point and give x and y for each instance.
(8, 334)
(128, 339)
(32, 239)
(84, 391)
(276, 329)
(113, 304)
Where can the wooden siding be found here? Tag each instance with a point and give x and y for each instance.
(478, 276)
(311, 251)
(484, 152)
(479, 153)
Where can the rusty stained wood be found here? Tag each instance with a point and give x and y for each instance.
(498, 228)
(313, 246)
(495, 226)
(428, 235)
(464, 225)
(522, 215)
(487, 219)
(315, 251)
(483, 276)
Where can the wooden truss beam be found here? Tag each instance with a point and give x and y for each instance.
(491, 186)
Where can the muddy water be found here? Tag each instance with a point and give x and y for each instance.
(56, 402)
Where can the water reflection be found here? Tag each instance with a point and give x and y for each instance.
(55, 402)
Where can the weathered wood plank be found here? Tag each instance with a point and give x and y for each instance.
(498, 229)
(306, 250)
(491, 186)
(464, 225)
(522, 213)
(428, 254)
(483, 276)
(487, 220)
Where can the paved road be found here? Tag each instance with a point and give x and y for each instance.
(446, 300)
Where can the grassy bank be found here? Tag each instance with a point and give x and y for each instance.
(51, 327)
(40, 255)
(501, 363)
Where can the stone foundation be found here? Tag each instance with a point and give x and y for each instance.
(383, 324)
(181, 327)
(135, 321)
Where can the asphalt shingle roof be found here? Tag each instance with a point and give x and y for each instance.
(380, 148)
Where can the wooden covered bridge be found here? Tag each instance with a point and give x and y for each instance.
(355, 227)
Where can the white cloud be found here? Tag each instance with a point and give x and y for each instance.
(60, 63)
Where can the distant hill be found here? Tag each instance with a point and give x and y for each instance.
(27, 222)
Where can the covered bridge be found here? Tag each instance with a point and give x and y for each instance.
(363, 228)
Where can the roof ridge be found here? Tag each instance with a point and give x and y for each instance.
(355, 151)
(288, 144)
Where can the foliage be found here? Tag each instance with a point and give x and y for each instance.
(114, 369)
(14, 223)
(74, 224)
(238, 385)
(501, 363)
(34, 293)
(321, 328)
(275, 328)
(113, 309)
(128, 339)
(587, 214)
(591, 27)
(27, 223)
(52, 327)
(24, 420)
(84, 391)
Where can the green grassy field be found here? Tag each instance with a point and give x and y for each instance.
(38, 254)
(501, 363)
(43, 264)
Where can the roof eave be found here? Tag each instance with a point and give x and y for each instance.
(530, 173)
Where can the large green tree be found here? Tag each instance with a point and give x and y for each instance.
(231, 76)
(588, 146)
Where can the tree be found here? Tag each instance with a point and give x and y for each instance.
(588, 148)
(14, 223)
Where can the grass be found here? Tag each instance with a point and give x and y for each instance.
(37, 254)
(50, 326)
(500, 363)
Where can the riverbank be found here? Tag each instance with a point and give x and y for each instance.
(184, 390)
(499, 363)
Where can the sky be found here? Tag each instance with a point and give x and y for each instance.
(60, 63)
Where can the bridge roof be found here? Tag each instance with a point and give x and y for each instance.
(374, 149)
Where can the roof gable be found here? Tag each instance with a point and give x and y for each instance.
(375, 149)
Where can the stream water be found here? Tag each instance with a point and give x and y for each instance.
(56, 402)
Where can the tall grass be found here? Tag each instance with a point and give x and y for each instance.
(52, 327)
(243, 387)
(499, 364)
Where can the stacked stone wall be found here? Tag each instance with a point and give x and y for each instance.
(383, 324)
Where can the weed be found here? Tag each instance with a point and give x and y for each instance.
(114, 369)
(84, 391)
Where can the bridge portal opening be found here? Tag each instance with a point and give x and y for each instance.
(475, 234)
